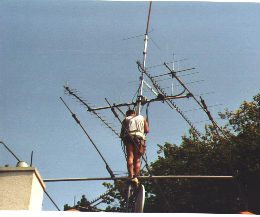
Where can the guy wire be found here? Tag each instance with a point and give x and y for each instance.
(10, 151)
(51, 200)
(92, 142)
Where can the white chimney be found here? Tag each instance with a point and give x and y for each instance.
(21, 188)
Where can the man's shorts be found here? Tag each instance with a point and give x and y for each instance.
(136, 142)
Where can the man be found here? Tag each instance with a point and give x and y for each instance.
(134, 128)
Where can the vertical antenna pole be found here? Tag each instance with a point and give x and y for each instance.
(173, 69)
(144, 60)
(146, 35)
(31, 159)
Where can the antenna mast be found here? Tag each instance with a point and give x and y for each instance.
(144, 60)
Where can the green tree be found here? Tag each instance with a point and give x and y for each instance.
(236, 153)
(244, 123)
(83, 205)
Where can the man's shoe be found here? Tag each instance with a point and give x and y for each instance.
(135, 181)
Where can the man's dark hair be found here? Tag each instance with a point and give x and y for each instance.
(130, 112)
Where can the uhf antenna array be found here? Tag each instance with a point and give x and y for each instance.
(154, 87)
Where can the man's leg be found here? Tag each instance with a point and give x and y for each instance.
(130, 159)
(137, 165)
(138, 152)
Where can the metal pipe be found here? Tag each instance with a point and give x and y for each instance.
(148, 85)
(144, 59)
(31, 159)
(140, 177)
(112, 106)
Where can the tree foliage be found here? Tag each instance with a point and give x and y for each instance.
(83, 205)
(236, 152)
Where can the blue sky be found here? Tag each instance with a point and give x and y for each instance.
(46, 44)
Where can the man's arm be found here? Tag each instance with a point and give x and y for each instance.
(146, 126)
(122, 133)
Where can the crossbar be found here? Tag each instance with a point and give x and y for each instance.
(140, 177)
(134, 103)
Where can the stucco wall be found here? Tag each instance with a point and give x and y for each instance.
(20, 189)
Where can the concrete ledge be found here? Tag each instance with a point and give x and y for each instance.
(21, 188)
(24, 169)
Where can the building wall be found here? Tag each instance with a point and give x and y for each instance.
(20, 189)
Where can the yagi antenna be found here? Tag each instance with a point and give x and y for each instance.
(201, 103)
(169, 102)
(72, 92)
